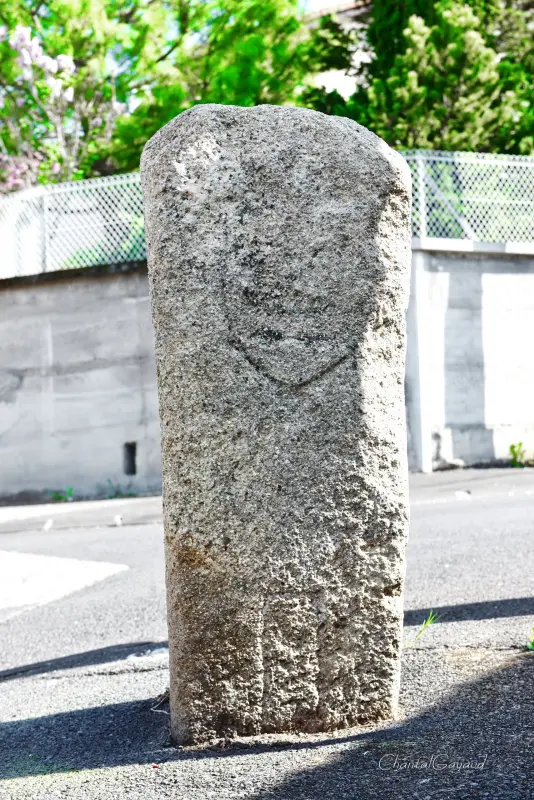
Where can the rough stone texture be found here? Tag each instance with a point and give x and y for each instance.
(279, 251)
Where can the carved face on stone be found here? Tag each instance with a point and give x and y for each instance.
(296, 237)
(299, 287)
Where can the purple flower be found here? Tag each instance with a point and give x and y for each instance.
(22, 38)
(56, 85)
(48, 64)
(66, 63)
(36, 51)
(25, 59)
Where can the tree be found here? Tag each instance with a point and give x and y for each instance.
(444, 92)
(84, 83)
(458, 77)
(512, 33)
(385, 33)
(62, 84)
(235, 52)
(47, 129)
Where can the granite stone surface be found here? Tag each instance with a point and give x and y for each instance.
(279, 250)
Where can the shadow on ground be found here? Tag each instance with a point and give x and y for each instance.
(477, 743)
(489, 609)
(103, 655)
(485, 721)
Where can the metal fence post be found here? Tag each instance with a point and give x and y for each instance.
(421, 193)
(45, 232)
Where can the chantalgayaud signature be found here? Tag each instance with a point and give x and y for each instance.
(436, 761)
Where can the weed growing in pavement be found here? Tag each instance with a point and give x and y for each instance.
(530, 645)
(65, 496)
(114, 491)
(430, 620)
(518, 455)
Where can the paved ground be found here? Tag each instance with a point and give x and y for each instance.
(80, 670)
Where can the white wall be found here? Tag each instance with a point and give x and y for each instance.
(77, 373)
(77, 381)
(476, 364)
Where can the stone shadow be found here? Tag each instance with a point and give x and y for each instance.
(488, 609)
(476, 742)
(102, 655)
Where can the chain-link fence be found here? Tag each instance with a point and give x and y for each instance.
(476, 197)
(70, 225)
(457, 197)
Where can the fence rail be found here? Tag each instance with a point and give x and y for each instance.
(474, 199)
(461, 201)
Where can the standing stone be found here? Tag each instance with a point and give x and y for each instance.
(279, 249)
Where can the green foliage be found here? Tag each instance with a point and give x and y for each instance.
(518, 455)
(135, 65)
(64, 116)
(530, 644)
(386, 30)
(237, 52)
(391, 18)
(445, 75)
(430, 620)
(444, 92)
(63, 496)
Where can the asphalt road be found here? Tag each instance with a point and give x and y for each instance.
(79, 673)
(125, 608)
(470, 558)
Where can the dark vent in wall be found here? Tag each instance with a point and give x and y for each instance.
(130, 458)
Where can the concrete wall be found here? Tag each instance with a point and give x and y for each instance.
(470, 371)
(77, 373)
(77, 382)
